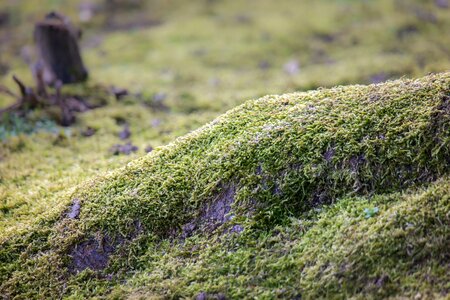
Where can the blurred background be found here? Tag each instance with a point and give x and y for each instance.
(217, 53)
(181, 63)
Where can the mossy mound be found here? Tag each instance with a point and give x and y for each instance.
(330, 193)
(178, 80)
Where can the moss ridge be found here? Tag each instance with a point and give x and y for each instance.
(285, 156)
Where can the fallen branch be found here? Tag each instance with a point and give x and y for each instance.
(6, 91)
(28, 98)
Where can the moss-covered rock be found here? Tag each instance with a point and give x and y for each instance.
(331, 193)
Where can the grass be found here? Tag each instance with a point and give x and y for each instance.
(336, 190)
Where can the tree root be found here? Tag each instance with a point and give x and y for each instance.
(30, 99)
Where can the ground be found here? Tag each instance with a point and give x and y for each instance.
(332, 193)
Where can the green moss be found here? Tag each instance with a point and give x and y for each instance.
(338, 254)
(281, 160)
(227, 52)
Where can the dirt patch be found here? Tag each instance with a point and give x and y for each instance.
(440, 122)
(329, 154)
(93, 254)
(444, 108)
(210, 296)
(213, 214)
(320, 197)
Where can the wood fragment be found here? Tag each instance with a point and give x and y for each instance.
(57, 44)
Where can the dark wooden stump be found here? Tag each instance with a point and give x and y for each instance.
(57, 44)
(59, 62)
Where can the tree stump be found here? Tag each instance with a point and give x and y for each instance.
(59, 62)
(57, 44)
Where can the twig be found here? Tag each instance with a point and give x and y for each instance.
(22, 87)
(6, 91)
(19, 101)
(28, 97)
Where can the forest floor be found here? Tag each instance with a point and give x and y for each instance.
(184, 63)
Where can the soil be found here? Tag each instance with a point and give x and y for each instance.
(93, 254)
(213, 214)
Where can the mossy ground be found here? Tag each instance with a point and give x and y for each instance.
(341, 192)
(379, 155)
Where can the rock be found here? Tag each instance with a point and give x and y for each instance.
(74, 209)
(379, 78)
(201, 296)
(126, 149)
(292, 67)
(125, 133)
(148, 149)
(119, 93)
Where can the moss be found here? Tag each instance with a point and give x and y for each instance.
(227, 52)
(286, 158)
(281, 165)
(382, 138)
(339, 253)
